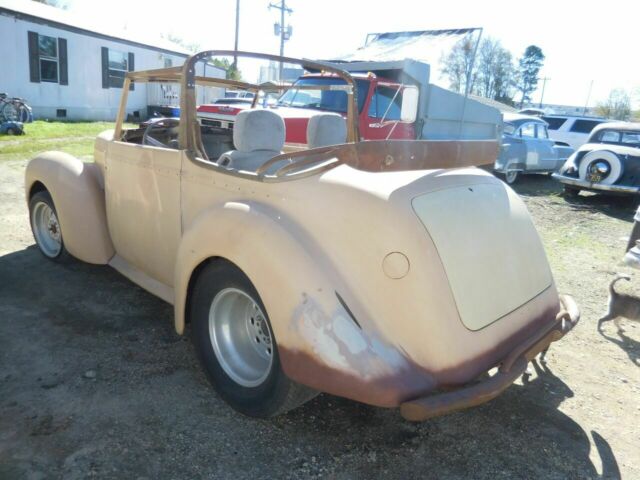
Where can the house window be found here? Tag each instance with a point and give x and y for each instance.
(168, 63)
(118, 67)
(47, 59)
(48, 53)
(115, 65)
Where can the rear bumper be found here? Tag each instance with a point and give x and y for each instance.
(576, 182)
(511, 367)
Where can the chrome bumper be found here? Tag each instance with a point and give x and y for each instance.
(576, 182)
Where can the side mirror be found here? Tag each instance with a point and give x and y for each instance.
(409, 110)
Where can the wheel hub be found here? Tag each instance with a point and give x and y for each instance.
(240, 337)
(46, 229)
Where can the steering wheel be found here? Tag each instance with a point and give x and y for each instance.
(160, 127)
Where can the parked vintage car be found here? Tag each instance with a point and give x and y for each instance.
(388, 272)
(526, 148)
(609, 162)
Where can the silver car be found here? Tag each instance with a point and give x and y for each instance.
(527, 148)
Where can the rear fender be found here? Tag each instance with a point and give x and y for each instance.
(319, 342)
(75, 188)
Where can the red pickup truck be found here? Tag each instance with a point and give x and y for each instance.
(379, 105)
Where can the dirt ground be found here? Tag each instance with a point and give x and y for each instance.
(95, 383)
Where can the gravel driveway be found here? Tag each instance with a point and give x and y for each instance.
(95, 383)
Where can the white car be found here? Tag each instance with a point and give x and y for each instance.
(574, 131)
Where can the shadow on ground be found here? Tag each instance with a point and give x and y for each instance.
(95, 382)
(618, 206)
(629, 345)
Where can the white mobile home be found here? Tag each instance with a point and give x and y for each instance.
(66, 68)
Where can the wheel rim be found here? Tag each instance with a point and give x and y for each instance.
(241, 337)
(511, 176)
(47, 230)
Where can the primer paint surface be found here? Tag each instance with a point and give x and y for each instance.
(491, 252)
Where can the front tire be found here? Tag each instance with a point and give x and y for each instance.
(46, 227)
(234, 341)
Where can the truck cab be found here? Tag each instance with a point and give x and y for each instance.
(379, 107)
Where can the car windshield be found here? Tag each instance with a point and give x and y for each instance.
(329, 100)
(625, 137)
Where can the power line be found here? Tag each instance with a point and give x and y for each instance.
(281, 29)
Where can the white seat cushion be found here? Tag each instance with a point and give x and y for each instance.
(326, 129)
(258, 136)
(258, 130)
(247, 161)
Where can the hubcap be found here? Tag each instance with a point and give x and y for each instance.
(241, 337)
(47, 230)
(511, 176)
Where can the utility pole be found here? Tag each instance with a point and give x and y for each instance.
(586, 104)
(544, 84)
(235, 57)
(281, 29)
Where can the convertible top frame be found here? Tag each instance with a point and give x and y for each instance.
(373, 156)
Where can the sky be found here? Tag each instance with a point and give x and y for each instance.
(583, 42)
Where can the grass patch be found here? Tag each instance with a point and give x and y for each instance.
(75, 138)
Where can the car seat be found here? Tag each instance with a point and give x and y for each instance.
(326, 129)
(258, 136)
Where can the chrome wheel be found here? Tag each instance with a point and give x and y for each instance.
(511, 176)
(46, 229)
(241, 337)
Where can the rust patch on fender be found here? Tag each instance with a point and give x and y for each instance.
(357, 375)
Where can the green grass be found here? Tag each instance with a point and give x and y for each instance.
(75, 138)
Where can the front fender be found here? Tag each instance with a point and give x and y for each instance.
(320, 344)
(79, 199)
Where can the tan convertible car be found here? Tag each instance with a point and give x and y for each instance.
(393, 273)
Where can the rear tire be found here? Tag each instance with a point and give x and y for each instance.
(233, 338)
(46, 228)
(571, 192)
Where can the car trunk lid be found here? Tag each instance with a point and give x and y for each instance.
(489, 247)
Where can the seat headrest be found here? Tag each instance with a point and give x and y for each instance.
(258, 130)
(326, 129)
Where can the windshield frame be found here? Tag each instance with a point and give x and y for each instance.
(325, 83)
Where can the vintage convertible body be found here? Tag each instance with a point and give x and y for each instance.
(389, 272)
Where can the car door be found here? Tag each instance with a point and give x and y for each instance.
(383, 115)
(142, 186)
(547, 156)
(527, 134)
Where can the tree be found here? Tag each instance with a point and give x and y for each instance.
(232, 71)
(54, 3)
(193, 47)
(495, 71)
(617, 106)
(458, 65)
(528, 71)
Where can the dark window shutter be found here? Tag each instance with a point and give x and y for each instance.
(105, 67)
(131, 69)
(62, 58)
(34, 58)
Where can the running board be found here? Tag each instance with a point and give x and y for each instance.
(140, 278)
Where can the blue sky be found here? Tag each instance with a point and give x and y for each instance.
(583, 41)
